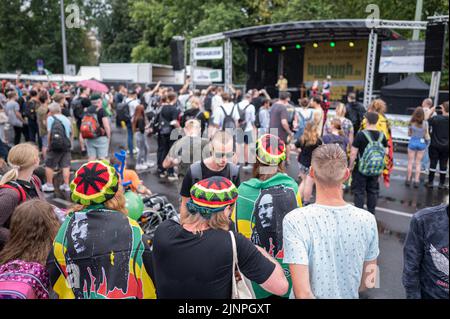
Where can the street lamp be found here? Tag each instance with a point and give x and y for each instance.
(63, 36)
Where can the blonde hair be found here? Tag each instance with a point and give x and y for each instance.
(310, 135)
(378, 106)
(217, 221)
(329, 163)
(116, 203)
(21, 156)
(340, 110)
(336, 124)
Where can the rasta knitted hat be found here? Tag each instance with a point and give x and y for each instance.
(270, 150)
(95, 183)
(212, 195)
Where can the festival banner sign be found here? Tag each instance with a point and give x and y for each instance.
(346, 64)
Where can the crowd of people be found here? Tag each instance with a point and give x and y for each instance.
(274, 235)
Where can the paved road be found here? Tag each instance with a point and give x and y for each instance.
(395, 208)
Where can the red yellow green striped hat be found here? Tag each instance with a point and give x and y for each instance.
(212, 195)
(95, 183)
(270, 150)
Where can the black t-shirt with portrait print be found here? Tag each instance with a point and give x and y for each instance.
(188, 182)
(199, 266)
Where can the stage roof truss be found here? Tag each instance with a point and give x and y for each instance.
(284, 33)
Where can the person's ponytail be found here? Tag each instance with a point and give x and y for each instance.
(9, 176)
(21, 156)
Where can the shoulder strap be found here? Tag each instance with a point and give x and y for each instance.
(234, 171)
(19, 189)
(380, 138)
(367, 135)
(36, 182)
(235, 255)
(196, 172)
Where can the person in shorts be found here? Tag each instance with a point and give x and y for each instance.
(98, 147)
(57, 159)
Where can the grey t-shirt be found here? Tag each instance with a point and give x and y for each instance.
(278, 112)
(11, 108)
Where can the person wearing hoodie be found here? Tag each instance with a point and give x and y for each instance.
(264, 200)
(355, 112)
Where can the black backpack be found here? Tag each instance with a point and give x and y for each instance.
(59, 142)
(228, 121)
(208, 103)
(242, 121)
(30, 110)
(123, 112)
(78, 109)
(161, 125)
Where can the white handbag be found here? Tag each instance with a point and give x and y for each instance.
(241, 289)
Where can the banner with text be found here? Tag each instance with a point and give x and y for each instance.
(207, 76)
(212, 53)
(402, 56)
(346, 64)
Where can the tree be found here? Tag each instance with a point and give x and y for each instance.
(117, 32)
(31, 30)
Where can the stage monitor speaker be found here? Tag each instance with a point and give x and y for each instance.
(434, 47)
(177, 53)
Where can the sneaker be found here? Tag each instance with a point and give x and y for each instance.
(173, 177)
(428, 185)
(407, 183)
(150, 164)
(416, 184)
(163, 174)
(140, 167)
(442, 186)
(48, 188)
(64, 188)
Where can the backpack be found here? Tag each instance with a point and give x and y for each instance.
(19, 189)
(161, 125)
(242, 121)
(123, 112)
(90, 128)
(207, 103)
(77, 108)
(30, 110)
(302, 124)
(371, 163)
(291, 115)
(23, 280)
(228, 121)
(197, 176)
(59, 141)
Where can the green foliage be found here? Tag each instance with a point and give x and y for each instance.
(31, 30)
(141, 30)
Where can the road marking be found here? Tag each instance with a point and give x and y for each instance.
(394, 212)
(61, 201)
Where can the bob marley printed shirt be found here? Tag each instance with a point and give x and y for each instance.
(259, 213)
(100, 254)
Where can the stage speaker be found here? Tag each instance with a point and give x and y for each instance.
(434, 47)
(177, 53)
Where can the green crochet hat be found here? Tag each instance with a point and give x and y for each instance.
(212, 195)
(270, 150)
(95, 183)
